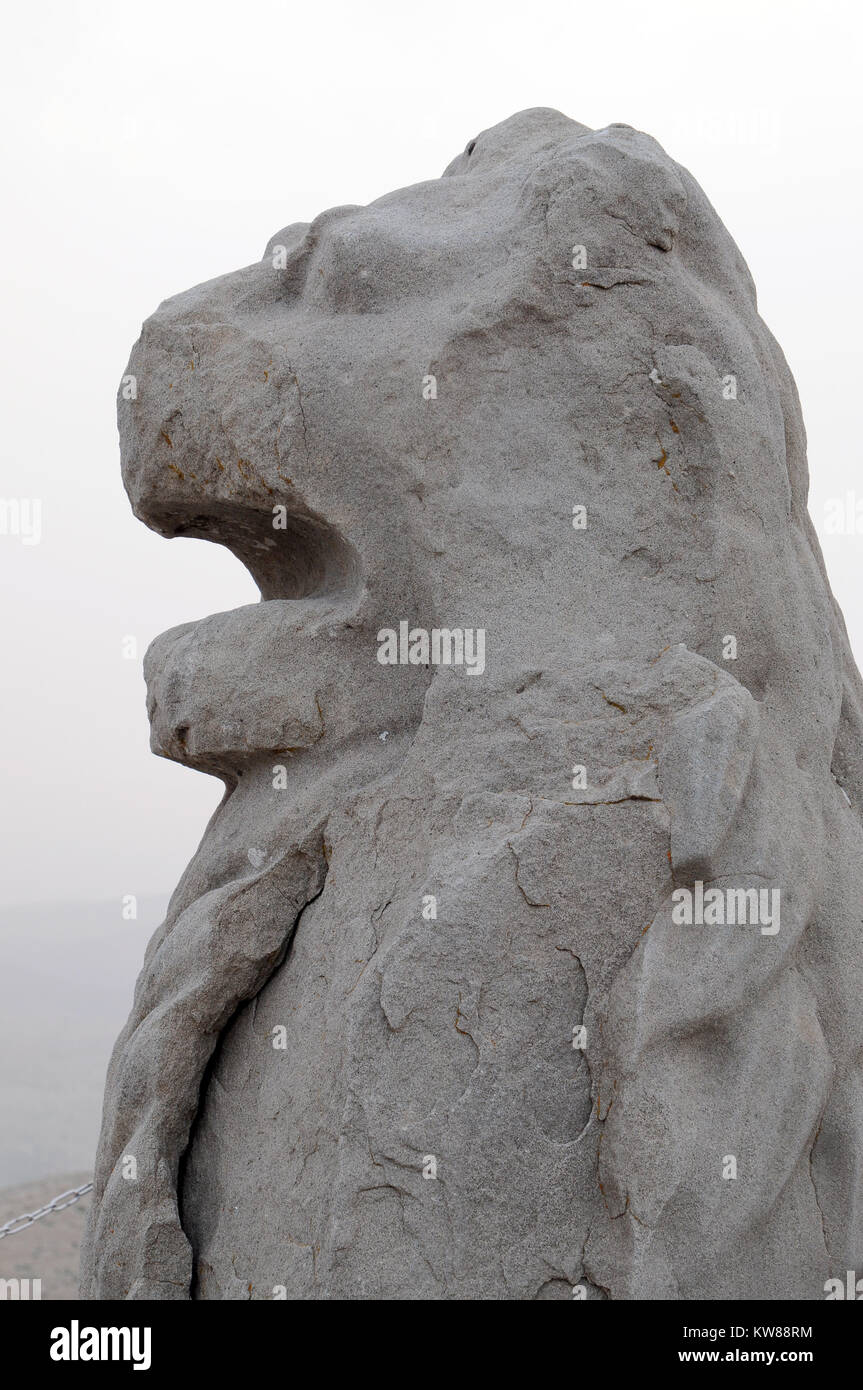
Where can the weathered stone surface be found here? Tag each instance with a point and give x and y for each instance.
(636, 381)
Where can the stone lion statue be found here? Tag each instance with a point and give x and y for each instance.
(466, 994)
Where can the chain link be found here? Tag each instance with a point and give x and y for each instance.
(20, 1223)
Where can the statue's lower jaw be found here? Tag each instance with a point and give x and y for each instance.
(235, 685)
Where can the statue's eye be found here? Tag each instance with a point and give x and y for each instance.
(471, 147)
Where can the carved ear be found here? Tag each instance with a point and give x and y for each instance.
(619, 182)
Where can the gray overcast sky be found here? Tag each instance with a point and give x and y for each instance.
(150, 147)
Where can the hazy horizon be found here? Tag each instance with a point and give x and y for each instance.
(55, 1042)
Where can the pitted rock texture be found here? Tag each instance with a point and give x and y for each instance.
(428, 387)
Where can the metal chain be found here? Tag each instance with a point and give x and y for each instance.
(58, 1204)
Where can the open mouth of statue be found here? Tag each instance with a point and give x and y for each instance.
(290, 555)
(238, 684)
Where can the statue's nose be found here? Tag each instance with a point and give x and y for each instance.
(214, 438)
